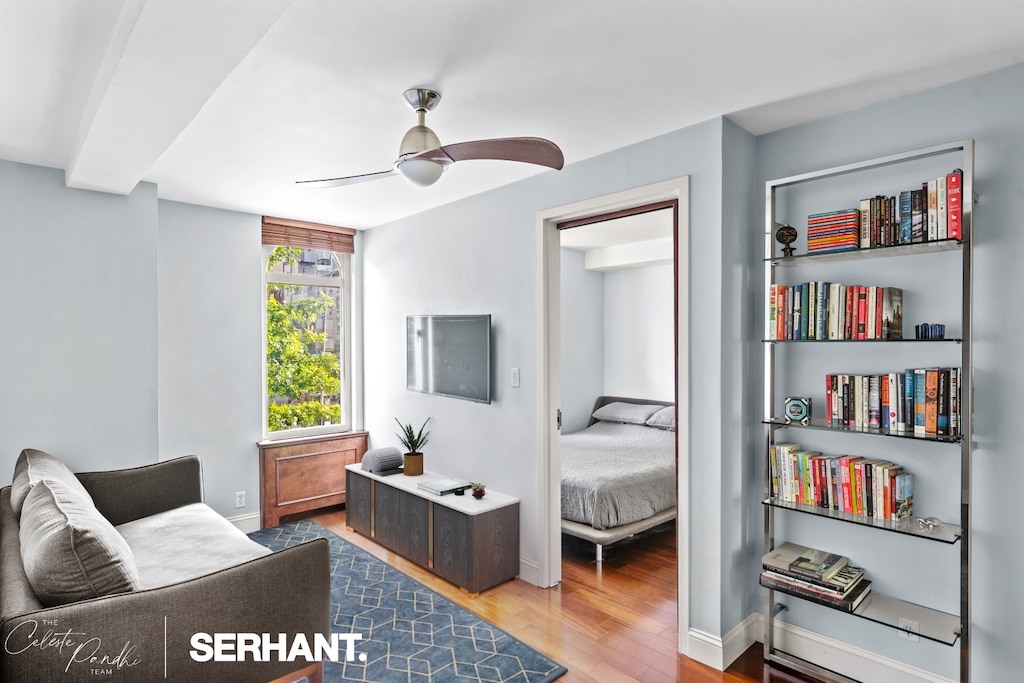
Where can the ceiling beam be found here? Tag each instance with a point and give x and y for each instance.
(166, 59)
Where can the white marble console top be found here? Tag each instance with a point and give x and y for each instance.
(466, 504)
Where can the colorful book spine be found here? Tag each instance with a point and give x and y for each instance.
(954, 205)
(931, 398)
(919, 401)
(918, 216)
(941, 207)
(932, 211)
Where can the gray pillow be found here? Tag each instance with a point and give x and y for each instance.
(70, 551)
(630, 413)
(32, 467)
(663, 419)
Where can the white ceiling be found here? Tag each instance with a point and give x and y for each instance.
(226, 103)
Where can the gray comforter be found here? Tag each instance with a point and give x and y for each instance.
(614, 474)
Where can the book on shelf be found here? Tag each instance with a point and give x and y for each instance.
(918, 215)
(941, 207)
(905, 218)
(838, 586)
(892, 313)
(931, 191)
(954, 211)
(810, 563)
(942, 402)
(849, 603)
(904, 495)
(441, 487)
(931, 397)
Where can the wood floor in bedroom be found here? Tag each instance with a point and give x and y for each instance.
(612, 624)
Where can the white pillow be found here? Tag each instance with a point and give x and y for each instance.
(629, 413)
(663, 419)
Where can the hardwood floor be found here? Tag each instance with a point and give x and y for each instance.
(610, 624)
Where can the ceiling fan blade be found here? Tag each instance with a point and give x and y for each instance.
(348, 180)
(527, 150)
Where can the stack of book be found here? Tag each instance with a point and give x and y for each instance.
(866, 487)
(815, 575)
(833, 231)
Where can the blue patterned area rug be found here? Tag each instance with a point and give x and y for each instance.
(410, 633)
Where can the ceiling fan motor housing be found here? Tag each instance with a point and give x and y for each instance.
(418, 139)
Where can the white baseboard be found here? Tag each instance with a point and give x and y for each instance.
(529, 571)
(854, 662)
(851, 661)
(719, 653)
(246, 523)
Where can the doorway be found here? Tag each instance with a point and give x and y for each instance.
(673, 195)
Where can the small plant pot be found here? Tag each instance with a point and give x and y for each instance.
(412, 464)
(478, 493)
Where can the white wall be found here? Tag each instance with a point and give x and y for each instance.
(639, 333)
(582, 339)
(78, 352)
(211, 331)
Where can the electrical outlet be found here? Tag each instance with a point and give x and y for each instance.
(909, 629)
(515, 377)
(239, 499)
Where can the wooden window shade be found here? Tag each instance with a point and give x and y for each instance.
(282, 232)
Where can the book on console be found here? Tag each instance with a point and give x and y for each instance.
(441, 487)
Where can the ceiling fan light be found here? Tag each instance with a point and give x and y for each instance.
(420, 172)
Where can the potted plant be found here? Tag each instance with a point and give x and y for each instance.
(413, 441)
(478, 489)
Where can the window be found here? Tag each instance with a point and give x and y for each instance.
(308, 333)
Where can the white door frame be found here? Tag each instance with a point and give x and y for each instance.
(549, 569)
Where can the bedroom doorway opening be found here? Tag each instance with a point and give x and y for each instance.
(613, 326)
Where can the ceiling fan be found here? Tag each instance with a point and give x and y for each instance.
(422, 159)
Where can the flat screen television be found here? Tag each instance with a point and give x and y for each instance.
(449, 355)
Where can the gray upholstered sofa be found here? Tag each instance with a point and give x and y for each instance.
(83, 619)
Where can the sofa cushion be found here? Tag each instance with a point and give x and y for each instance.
(185, 543)
(70, 551)
(32, 467)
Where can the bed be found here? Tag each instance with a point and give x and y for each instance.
(619, 474)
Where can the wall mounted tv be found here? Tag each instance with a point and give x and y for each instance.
(449, 355)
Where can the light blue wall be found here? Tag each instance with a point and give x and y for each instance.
(480, 254)
(211, 331)
(741, 471)
(132, 331)
(78, 352)
(582, 339)
(987, 108)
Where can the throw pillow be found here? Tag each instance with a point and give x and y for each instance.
(69, 550)
(630, 413)
(32, 467)
(663, 419)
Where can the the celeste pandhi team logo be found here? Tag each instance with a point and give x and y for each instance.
(72, 646)
(75, 649)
